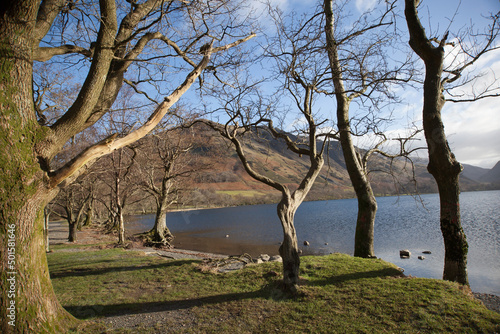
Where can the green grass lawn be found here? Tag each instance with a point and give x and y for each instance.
(338, 294)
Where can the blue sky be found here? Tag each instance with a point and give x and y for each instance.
(473, 129)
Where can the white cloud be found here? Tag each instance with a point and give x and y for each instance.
(473, 131)
(365, 5)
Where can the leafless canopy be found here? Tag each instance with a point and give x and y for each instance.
(158, 47)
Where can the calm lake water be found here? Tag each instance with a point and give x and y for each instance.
(329, 226)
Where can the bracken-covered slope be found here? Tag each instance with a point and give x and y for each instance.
(227, 182)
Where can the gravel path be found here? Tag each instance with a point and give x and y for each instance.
(176, 315)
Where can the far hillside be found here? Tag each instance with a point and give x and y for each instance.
(224, 182)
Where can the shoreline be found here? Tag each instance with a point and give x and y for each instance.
(58, 236)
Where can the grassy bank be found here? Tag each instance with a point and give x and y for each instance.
(339, 294)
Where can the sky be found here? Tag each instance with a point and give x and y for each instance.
(472, 129)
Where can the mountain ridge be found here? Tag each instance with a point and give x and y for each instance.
(227, 178)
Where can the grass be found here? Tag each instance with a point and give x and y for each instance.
(243, 193)
(339, 294)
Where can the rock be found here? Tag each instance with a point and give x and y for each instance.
(404, 254)
(299, 251)
(275, 258)
(426, 252)
(259, 261)
(326, 243)
(231, 267)
(264, 257)
(421, 257)
(306, 243)
(227, 235)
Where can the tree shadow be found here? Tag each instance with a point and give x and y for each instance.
(339, 279)
(270, 290)
(102, 271)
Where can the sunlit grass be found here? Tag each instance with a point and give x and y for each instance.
(244, 193)
(338, 294)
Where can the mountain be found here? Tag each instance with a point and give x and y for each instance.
(492, 176)
(225, 182)
(474, 173)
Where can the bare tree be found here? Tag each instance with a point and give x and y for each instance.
(250, 114)
(443, 165)
(360, 70)
(104, 40)
(166, 160)
(119, 178)
(72, 202)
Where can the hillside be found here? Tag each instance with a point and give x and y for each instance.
(474, 173)
(225, 182)
(492, 175)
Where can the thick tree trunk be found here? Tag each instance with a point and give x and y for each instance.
(455, 241)
(446, 170)
(28, 303)
(160, 233)
(367, 204)
(46, 220)
(442, 163)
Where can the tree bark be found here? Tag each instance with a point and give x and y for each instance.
(367, 203)
(160, 232)
(28, 303)
(73, 227)
(289, 249)
(46, 220)
(121, 226)
(442, 163)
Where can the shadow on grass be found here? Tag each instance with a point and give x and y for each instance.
(102, 271)
(90, 311)
(338, 279)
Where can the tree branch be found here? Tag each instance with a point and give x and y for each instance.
(45, 53)
(111, 143)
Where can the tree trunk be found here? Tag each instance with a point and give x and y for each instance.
(160, 232)
(367, 204)
(446, 170)
(289, 249)
(28, 303)
(365, 224)
(90, 213)
(73, 227)
(442, 163)
(46, 219)
(121, 227)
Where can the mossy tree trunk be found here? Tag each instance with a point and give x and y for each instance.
(442, 163)
(46, 220)
(28, 303)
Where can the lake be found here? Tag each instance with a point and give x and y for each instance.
(402, 223)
